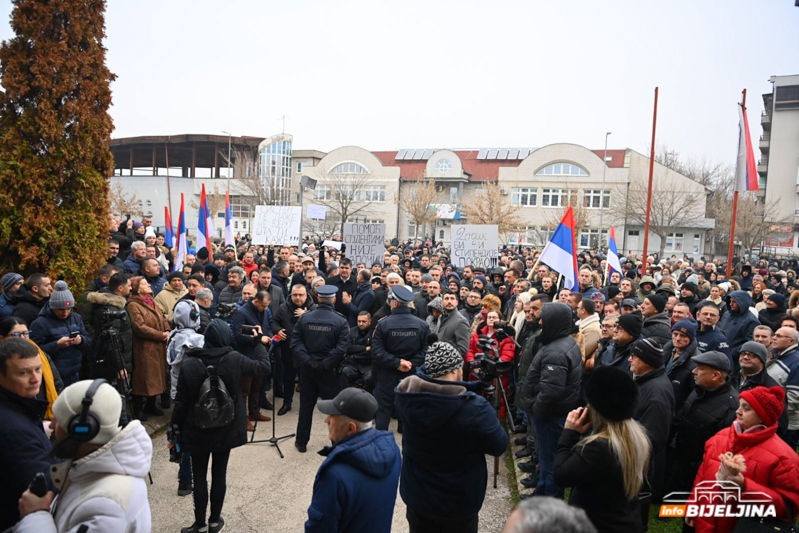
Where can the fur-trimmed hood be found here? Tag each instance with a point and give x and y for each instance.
(106, 298)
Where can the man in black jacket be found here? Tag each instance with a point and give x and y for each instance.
(345, 282)
(678, 355)
(445, 491)
(752, 361)
(298, 304)
(356, 370)
(655, 409)
(112, 299)
(552, 388)
(31, 297)
(657, 324)
(362, 300)
(24, 446)
(709, 409)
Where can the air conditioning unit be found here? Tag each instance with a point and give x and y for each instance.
(503, 192)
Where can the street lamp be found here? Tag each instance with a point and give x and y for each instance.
(602, 192)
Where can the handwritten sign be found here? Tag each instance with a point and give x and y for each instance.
(277, 224)
(333, 244)
(365, 242)
(476, 245)
(318, 212)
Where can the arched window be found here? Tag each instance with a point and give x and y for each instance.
(348, 168)
(562, 169)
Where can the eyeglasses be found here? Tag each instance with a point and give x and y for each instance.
(19, 334)
(607, 327)
(778, 336)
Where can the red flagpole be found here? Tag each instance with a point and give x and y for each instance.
(734, 212)
(649, 190)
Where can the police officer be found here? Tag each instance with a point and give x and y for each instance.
(319, 343)
(398, 347)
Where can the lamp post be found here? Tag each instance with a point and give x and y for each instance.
(602, 192)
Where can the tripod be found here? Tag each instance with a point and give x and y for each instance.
(274, 441)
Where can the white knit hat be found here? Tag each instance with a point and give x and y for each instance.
(106, 407)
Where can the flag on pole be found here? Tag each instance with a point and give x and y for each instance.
(228, 221)
(614, 265)
(560, 251)
(169, 234)
(205, 223)
(746, 178)
(182, 237)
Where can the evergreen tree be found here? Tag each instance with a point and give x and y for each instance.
(54, 136)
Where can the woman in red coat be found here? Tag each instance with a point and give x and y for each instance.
(769, 465)
(507, 347)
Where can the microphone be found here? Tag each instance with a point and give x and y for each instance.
(276, 339)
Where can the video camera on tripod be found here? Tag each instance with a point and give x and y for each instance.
(226, 310)
(487, 366)
(108, 362)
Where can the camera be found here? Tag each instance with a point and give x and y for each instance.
(108, 314)
(248, 330)
(226, 310)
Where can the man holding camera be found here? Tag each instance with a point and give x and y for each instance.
(252, 329)
(398, 348)
(319, 343)
(108, 311)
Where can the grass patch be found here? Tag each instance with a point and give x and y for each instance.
(513, 484)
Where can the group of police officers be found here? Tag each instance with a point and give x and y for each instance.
(320, 342)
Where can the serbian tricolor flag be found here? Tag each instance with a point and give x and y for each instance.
(560, 251)
(205, 223)
(746, 178)
(228, 220)
(182, 237)
(169, 234)
(614, 265)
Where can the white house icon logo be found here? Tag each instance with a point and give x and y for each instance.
(718, 499)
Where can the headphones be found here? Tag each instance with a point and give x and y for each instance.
(84, 426)
(194, 314)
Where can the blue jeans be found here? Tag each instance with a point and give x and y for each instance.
(547, 433)
(185, 467)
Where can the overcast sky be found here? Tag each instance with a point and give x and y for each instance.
(448, 74)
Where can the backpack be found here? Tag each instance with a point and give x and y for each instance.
(214, 407)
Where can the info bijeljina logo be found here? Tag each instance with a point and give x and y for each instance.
(717, 499)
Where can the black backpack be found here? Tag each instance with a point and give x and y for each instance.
(214, 407)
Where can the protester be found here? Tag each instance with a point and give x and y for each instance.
(784, 369)
(216, 441)
(24, 446)
(605, 467)
(763, 463)
(286, 319)
(150, 333)
(356, 486)
(30, 298)
(9, 284)
(678, 356)
(444, 491)
(172, 292)
(547, 515)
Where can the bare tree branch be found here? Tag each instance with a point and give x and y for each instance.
(345, 196)
(122, 204)
(416, 200)
(492, 207)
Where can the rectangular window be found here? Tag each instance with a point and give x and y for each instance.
(453, 195)
(674, 242)
(596, 198)
(375, 193)
(411, 229)
(322, 192)
(590, 239)
(299, 166)
(553, 197)
(524, 196)
(240, 210)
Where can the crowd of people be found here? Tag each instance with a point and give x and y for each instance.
(628, 387)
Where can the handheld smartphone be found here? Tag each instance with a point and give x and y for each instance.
(248, 330)
(74, 334)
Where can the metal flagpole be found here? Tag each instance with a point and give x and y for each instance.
(649, 190)
(168, 186)
(734, 211)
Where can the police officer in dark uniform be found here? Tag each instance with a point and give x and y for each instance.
(398, 348)
(319, 343)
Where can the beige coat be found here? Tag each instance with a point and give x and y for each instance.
(149, 348)
(591, 330)
(167, 298)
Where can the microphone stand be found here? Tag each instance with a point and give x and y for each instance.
(274, 441)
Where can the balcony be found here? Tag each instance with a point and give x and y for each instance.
(764, 143)
(762, 165)
(765, 120)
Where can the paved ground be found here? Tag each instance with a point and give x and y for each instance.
(266, 493)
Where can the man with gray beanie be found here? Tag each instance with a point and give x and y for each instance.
(752, 361)
(9, 284)
(102, 485)
(61, 333)
(440, 414)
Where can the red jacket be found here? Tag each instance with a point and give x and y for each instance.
(249, 268)
(507, 349)
(772, 467)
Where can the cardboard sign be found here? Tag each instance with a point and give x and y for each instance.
(476, 245)
(365, 242)
(333, 244)
(277, 225)
(318, 212)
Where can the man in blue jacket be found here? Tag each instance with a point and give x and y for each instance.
(61, 333)
(448, 430)
(739, 323)
(356, 486)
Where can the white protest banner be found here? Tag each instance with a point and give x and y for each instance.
(318, 212)
(333, 244)
(277, 224)
(476, 245)
(365, 242)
